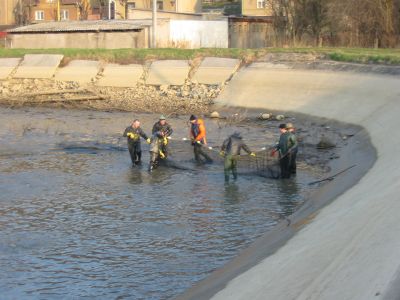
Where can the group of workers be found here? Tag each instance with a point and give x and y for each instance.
(231, 148)
(287, 147)
(160, 133)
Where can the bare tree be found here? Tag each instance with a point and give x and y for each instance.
(84, 9)
(318, 19)
(365, 23)
(22, 11)
(282, 20)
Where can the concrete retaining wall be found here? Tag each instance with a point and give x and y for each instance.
(350, 250)
(213, 71)
(37, 66)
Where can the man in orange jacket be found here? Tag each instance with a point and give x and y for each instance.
(198, 138)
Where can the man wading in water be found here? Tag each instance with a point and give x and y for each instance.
(293, 153)
(198, 137)
(133, 134)
(162, 130)
(285, 146)
(230, 150)
(159, 142)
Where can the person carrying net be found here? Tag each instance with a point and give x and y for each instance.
(162, 130)
(230, 150)
(198, 137)
(159, 142)
(287, 143)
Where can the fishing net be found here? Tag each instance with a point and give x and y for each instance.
(180, 155)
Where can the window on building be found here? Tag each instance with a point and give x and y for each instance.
(64, 14)
(131, 5)
(260, 3)
(39, 15)
(160, 5)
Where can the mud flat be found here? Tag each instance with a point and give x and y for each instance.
(344, 243)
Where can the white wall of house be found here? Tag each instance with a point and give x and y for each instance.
(199, 33)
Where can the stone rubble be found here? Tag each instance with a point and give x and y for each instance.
(188, 98)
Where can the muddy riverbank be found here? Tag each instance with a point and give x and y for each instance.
(188, 98)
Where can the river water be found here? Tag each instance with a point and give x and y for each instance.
(78, 222)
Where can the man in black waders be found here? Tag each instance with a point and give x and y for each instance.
(133, 134)
(293, 153)
(285, 145)
(158, 148)
(162, 130)
(198, 138)
(230, 150)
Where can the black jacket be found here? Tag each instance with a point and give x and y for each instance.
(158, 129)
(287, 143)
(137, 133)
(233, 145)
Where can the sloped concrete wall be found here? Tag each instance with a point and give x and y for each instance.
(350, 250)
(7, 65)
(38, 66)
(213, 71)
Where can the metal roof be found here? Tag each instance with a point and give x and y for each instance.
(83, 26)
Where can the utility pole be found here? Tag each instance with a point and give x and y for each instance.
(58, 11)
(154, 35)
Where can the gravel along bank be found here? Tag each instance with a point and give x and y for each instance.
(188, 98)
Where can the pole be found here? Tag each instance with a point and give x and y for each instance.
(58, 10)
(154, 36)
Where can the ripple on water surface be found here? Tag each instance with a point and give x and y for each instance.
(85, 224)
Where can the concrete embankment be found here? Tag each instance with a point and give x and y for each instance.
(350, 248)
(173, 86)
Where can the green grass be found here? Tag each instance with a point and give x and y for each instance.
(355, 55)
(125, 56)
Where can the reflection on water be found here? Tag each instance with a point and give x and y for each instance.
(80, 222)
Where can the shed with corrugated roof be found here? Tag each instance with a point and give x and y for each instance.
(107, 34)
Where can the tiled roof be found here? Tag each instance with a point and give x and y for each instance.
(84, 26)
